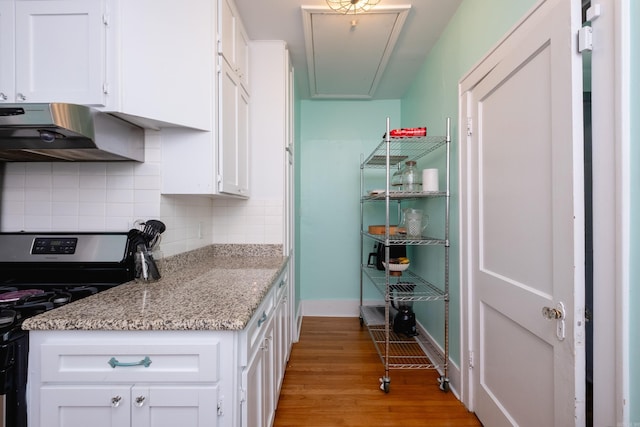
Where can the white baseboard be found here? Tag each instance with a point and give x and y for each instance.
(454, 370)
(334, 308)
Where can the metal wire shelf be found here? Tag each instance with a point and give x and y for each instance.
(402, 239)
(402, 150)
(405, 352)
(423, 290)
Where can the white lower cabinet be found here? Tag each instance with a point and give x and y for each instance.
(163, 378)
(131, 378)
(129, 406)
(266, 341)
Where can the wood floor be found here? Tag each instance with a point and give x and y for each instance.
(332, 380)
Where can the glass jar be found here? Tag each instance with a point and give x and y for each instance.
(396, 179)
(411, 180)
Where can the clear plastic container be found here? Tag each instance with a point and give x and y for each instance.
(411, 178)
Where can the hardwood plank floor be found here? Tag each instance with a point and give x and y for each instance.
(332, 380)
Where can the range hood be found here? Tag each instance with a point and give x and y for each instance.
(66, 132)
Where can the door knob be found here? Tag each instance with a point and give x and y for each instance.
(556, 313)
(550, 313)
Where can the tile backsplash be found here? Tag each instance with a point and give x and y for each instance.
(110, 196)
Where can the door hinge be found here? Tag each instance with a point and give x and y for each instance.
(105, 88)
(469, 126)
(585, 39)
(105, 19)
(243, 395)
(220, 411)
(471, 361)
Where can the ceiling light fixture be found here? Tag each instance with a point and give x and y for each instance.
(355, 6)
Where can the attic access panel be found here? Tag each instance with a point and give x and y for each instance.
(347, 54)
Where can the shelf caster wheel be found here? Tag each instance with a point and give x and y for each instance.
(444, 384)
(361, 322)
(384, 384)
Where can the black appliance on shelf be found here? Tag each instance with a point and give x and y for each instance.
(376, 258)
(42, 271)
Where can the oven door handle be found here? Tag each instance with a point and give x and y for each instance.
(144, 362)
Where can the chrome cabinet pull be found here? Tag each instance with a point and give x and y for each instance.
(21, 97)
(139, 401)
(144, 362)
(3, 97)
(115, 401)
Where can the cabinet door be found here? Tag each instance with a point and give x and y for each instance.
(171, 406)
(74, 406)
(253, 380)
(7, 52)
(233, 158)
(242, 55)
(269, 386)
(258, 409)
(60, 51)
(282, 334)
(243, 150)
(234, 42)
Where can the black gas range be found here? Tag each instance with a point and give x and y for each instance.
(42, 271)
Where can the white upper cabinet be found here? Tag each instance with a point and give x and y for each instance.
(234, 135)
(149, 61)
(165, 61)
(216, 163)
(7, 49)
(234, 43)
(53, 50)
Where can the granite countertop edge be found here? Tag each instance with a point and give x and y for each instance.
(218, 287)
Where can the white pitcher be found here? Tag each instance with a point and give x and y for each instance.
(414, 222)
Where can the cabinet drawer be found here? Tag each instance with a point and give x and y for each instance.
(253, 334)
(128, 363)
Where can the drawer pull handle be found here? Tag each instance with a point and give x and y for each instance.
(144, 362)
(262, 319)
(139, 402)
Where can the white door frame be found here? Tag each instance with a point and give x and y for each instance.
(610, 71)
(611, 105)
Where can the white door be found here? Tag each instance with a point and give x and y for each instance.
(525, 226)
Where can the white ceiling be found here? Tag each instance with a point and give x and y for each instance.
(346, 74)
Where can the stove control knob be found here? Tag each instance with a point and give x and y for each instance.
(140, 401)
(115, 401)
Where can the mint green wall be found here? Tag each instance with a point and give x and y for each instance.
(476, 27)
(334, 133)
(333, 136)
(634, 280)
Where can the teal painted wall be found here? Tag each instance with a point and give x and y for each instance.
(333, 136)
(335, 133)
(634, 279)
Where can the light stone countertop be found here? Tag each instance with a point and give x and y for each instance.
(214, 288)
